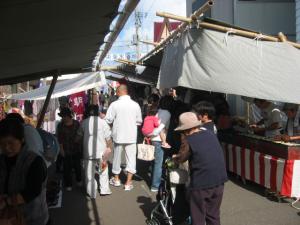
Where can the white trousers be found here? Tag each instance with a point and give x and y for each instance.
(91, 182)
(130, 156)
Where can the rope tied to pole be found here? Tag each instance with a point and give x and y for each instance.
(230, 31)
(258, 38)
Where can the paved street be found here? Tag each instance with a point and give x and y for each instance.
(242, 205)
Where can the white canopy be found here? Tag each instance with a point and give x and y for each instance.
(214, 61)
(81, 83)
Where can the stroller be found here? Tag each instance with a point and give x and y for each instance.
(161, 214)
(165, 208)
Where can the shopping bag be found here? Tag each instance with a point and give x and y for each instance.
(180, 175)
(12, 216)
(146, 151)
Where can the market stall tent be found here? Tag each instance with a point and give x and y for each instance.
(83, 82)
(220, 62)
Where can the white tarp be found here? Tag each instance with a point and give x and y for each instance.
(214, 61)
(83, 82)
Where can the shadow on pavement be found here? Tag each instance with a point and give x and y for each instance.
(255, 188)
(76, 209)
(147, 205)
(144, 171)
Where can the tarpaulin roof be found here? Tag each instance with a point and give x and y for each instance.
(83, 82)
(214, 61)
(39, 37)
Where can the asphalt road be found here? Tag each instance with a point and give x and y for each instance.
(242, 205)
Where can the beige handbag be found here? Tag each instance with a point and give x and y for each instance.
(146, 151)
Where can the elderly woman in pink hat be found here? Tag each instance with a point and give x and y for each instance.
(207, 169)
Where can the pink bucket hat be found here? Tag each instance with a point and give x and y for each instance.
(187, 121)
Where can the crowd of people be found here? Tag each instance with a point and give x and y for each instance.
(179, 131)
(88, 145)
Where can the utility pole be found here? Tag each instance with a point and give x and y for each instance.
(138, 23)
(138, 15)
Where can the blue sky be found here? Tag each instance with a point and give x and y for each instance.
(148, 8)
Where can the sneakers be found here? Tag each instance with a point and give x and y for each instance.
(69, 188)
(114, 182)
(117, 183)
(105, 193)
(128, 187)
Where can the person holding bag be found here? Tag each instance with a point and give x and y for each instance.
(23, 176)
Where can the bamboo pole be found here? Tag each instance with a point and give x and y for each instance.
(46, 103)
(247, 34)
(174, 17)
(237, 31)
(149, 42)
(181, 27)
(124, 61)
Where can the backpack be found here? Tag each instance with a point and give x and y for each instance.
(50, 144)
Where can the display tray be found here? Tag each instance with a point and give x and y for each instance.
(266, 146)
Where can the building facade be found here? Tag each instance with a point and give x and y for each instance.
(298, 20)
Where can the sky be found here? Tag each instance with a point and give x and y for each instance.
(147, 9)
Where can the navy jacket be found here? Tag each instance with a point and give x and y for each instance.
(206, 160)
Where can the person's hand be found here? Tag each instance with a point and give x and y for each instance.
(252, 126)
(278, 138)
(106, 154)
(108, 150)
(286, 138)
(102, 115)
(174, 156)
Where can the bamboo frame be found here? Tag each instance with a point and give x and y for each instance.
(181, 27)
(187, 20)
(174, 17)
(247, 34)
